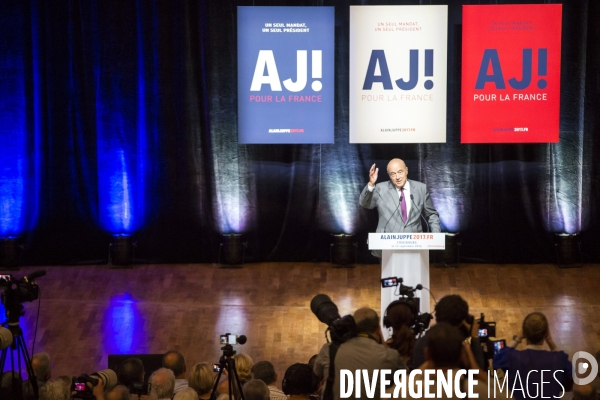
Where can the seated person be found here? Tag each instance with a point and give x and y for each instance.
(535, 358)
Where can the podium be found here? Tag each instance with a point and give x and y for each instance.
(406, 256)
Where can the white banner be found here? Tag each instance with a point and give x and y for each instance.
(407, 241)
(398, 74)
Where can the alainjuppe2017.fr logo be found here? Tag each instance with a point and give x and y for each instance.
(458, 383)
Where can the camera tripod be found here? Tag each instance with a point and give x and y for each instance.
(18, 345)
(227, 362)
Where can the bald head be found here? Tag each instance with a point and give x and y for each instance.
(41, 366)
(174, 361)
(394, 164)
(367, 320)
(398, 172)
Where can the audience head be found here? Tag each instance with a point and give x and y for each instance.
(119, 392)
(300, 380)
(201, 378)
(401, 318)
(174, 361)
(163, 383)
(264, 371)
(40, 362)
(444, 345)
(8, 381)
(312, 360)
(535, 328)
(367, 320)
(243, 367)
(256, 389)
(186, 394)
(452, 309)
(130, 371)
(55, 390)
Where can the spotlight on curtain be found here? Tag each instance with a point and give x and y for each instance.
(450, 256)
(10, 253)
(568, 250)
(234, 249)
(343, 251)
(122, 251)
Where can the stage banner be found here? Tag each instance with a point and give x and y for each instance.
(285, 74)
(398, 74)
(511, 73)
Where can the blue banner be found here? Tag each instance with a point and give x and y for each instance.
(285, 75)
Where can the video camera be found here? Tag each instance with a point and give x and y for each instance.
(407, 296)
(83, 391)
(340, 328)
(487, 330)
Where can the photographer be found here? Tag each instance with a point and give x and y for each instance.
(401, 319)
(454, 310)
(365, 351)
(541, 353)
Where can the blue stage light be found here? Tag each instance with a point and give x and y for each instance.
(123, 327)
(13, 146)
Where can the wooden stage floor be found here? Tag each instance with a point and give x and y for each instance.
(88, 312)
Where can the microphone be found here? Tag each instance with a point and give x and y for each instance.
(34, 275)
(420, 213)
(390, 218)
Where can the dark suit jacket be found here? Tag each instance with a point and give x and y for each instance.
(385, 198)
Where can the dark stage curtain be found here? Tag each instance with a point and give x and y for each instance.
(127, 114)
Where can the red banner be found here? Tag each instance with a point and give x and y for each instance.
(511, 73)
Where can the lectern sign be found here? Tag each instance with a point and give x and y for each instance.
(407, 241)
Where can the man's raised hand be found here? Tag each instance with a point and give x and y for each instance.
(373, 172)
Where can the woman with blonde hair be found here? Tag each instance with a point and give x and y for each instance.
(201, 379)
(243, 367)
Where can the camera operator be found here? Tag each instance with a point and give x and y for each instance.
(365, 351)
(401, 319)
(454, 310)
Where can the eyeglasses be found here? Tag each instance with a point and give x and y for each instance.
(399, 173)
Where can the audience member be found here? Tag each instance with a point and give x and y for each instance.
(533, 359)
(130, 371)
(401, 318)
(256, 389)
(312, 360)
(584, 392)
(186, 393)
(54, 390)
(174, 361)
(300, 382)
(162, 383)
(454, 310)
(366, 351)
(40, 362)
(119, 392)
(202, 380)
(243, 367)
(446, 353)
(9, 382)
(265, 371)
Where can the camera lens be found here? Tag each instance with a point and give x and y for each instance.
(325, 310)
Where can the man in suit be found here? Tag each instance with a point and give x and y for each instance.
(399, 201)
